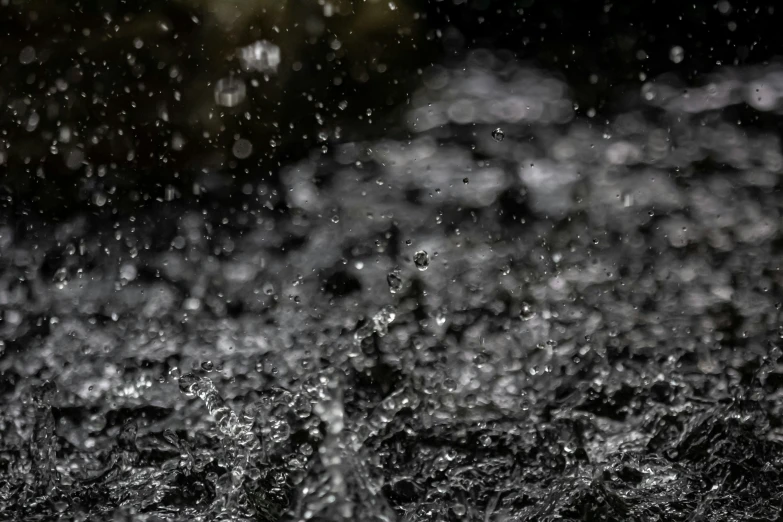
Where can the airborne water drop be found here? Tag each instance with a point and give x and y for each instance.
(230, 92)
(422, 260)
(394, 281)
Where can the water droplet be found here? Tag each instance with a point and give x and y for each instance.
(498, 134)
(27, 55)
(230, 92)
(440, 317)
(676, 54)
(61, 275)
(279, 431)
(526, 312)
(302, 406)
(465, 181)
(242, 149)
(44, 393)
(188, 384)
(207, 366)
(261, 56)
(394, 281)
(422, 260)
(385, 316)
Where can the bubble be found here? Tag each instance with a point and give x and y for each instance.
(422, 260)
(27, 55)
(676, 54)
(230, 92)
(242, 149)
(394, 281)
(498, 134)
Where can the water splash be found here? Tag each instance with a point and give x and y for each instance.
(43, 446)
(549, 369)
(242, 447)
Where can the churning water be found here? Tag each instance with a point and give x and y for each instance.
(518, 314)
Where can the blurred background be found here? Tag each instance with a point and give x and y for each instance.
(137, 101)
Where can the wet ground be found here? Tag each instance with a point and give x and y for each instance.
(516, 314)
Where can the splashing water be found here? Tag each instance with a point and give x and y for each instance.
(550, 368)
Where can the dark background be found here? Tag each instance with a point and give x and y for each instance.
(90, 75)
